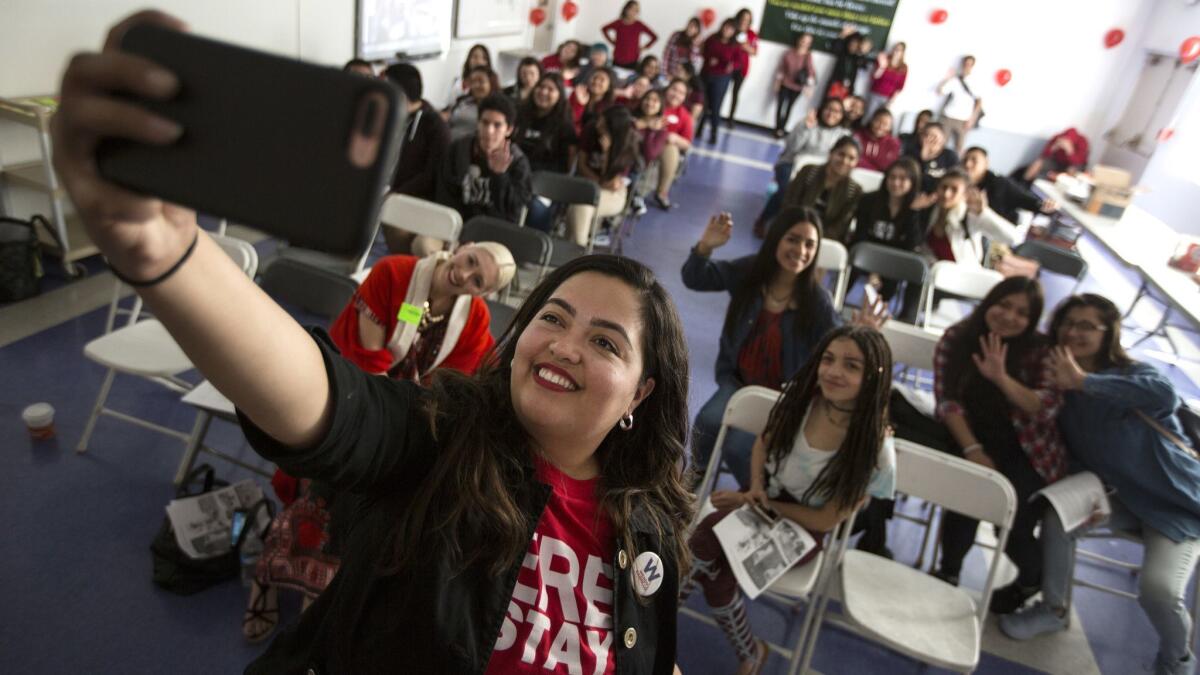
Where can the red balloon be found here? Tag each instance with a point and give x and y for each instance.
(570, 10)
(1003, 76)
(1113, 37)
(708, 16)
(1190, 49)
(938, 16)
(537, 15)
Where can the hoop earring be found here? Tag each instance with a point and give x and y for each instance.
(626, 422)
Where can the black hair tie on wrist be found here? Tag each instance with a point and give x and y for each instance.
(162, 277)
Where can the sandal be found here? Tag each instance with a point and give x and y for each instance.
(258, 611)
(763, 654)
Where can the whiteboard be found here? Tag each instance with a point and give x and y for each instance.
(412, 28)
(485, 18)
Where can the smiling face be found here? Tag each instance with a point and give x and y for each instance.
(568, 53)
(599, 83)
(1083, 331)
(577, 367)
(651, 104)
(692, 29)
(855, 107)
(797, 248)
(493, 129)
(651, 67)
(676, 94)
(479, 84)
(546, 95)
(832, 113)
(881, 125)
(976, 164)
(528, 75)
(951, 192)
(842, 159)
(478, 57)
(898, 182)
(840, 373)
(470, 271)
(1009, 317)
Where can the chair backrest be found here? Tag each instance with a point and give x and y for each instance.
(528, 246)
(1053, 258)
(748, 410)
(804, 160)
(869, 179)
(312, 289)
(968, 281)
(834, 257)
(422, 218)
(912, 346)
(241, 251)
(564, 189)
(889, 263)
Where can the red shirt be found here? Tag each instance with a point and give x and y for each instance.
(679, 121)
(551, 63)
(560, 616)
(1077, 158)
(720, 58)
(761, 358)
(627, 43)
(890, 81)
(940, 246)
(743, 56)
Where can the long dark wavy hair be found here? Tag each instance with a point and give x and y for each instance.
(528, 111)
(961, 372)
(468, 506)
(766, 266)
(1112, 354)
(844, 480)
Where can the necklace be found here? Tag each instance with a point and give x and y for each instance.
(778, 300)
(428, 318)
(829, 407)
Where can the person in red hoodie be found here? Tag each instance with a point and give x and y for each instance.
(1067, 151)
(626, 36)
(879, 147)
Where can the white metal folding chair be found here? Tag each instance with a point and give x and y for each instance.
(964, 281)
(869, 179)
(748, 410)
(904, 609)
(834, 257)
(912, 346)
(420, 217)
(145, 349)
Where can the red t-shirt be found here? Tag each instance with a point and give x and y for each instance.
(627, 47)
(761, 359)
(720, 58)
(679, 121)
(940, 247)
(560, 617)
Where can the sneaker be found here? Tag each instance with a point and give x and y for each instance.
(639, 206)
(1010, 598)
(1027, 624)
(1184, 666)
(602, 240)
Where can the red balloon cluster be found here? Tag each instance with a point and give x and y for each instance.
(707, 16)
(1113, 38)
(537, 16)
(569, 10)
(1190, 49)
(1003, 76)
(938, 16)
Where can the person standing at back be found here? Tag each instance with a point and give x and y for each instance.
(794, 78)
(747, 40)
(625, 34)
(720, 61)
(963, 105)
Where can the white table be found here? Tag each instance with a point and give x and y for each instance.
(209, 403)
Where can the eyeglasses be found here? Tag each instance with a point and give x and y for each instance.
(1081, 326)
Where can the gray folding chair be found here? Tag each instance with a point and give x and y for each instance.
(887, 262)
(527, 245)
(308, 287)
(1055, 259)
(568, 190)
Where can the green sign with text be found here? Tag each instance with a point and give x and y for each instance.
(784, 20)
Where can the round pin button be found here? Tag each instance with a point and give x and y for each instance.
(622, 559)
(630, 638)
(647, 574)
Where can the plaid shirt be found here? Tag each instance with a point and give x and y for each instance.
(1037, 433)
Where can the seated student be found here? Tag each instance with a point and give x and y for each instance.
(477, 56)
(1119, 421)
(910, 143)
(826, 451)
(1004, 195)
(631, 96)
(591, 98)
(529, 71)
(892, 216)
(995, 396)
(879, 147)
(464, 114)
(651, 125)
(959, 220)
(814, 136)
(679, 140)
(829, 189)
(546, 135)
(934, 158)
(651, 69)
(359, 66)
(564, 61)
(778, 312)
(597, 59)
(451, 487)
(484, 173)
(856, 109)
(695, 96)
(425, 141)
(608, 152)
(1066, 151)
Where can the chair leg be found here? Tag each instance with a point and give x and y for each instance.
(99, 406)
(194, 443)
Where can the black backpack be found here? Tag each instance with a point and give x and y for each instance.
(20, 263)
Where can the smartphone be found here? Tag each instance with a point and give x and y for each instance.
(870, 295)
(236, 526)
(765, 512)
(300, 151)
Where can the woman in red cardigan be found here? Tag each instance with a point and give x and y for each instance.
(626, 36)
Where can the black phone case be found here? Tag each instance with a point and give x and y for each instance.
(264, 142)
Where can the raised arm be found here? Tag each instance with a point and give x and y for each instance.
(700, 271)
(250, 349)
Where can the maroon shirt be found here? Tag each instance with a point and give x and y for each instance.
(761, 359)
(627, 45)
(720, 58)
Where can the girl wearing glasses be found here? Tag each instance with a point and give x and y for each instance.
(1119, 421)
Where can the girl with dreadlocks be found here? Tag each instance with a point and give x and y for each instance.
(825, 449)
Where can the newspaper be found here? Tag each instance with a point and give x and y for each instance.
(202, 523)
(760, 547)
(1079, 499)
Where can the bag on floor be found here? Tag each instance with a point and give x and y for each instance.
(20, 261)
(178, 573)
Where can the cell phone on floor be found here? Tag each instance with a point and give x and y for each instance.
(300, 151)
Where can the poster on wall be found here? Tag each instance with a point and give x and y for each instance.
(783, 20)
(486, 18)
(412, 28)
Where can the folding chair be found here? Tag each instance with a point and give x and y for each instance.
(568, 191)
(306, 287)
(528, 246)
(420, 217)
(887, 262)
(833, 257)
(145, 349)
(1055, 259)
(964, 281)
(869, 179)
(912, 347)
(748, 410)
(904, 609)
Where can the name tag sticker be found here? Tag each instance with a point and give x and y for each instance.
(410, 314)
(647, 574)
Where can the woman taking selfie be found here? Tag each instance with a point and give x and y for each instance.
(824, 452)
(567, 444)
